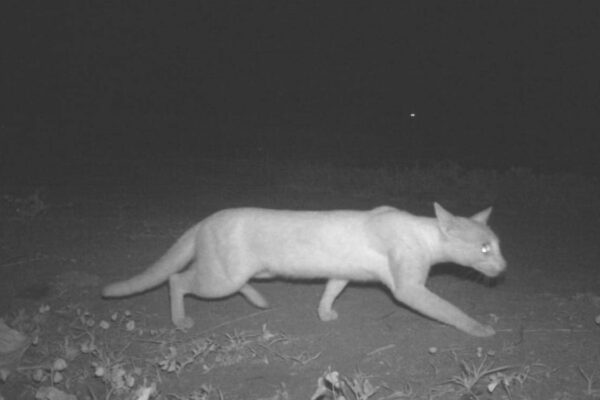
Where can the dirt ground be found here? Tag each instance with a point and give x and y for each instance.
(81, 233)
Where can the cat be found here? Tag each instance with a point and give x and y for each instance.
(385, 244)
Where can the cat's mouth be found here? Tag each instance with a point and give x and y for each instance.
(491, 269)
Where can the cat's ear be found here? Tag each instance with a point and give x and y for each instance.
(482, 216)
(445, 218)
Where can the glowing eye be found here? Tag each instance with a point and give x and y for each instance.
(486, 248)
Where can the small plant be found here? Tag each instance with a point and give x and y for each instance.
(206, 392)
(589, 390)
(473, 373)
(198, 350)
(334, 386)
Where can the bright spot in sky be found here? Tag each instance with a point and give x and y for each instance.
(412, 115)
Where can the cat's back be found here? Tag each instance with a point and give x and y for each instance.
(278, 221)
(285, 216)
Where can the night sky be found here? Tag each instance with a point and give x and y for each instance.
(492, 84)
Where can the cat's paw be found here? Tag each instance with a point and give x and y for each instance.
(184, 323)
(482, 331)
(328, 315)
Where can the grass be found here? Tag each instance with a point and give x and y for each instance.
(473, 373)
(102, 347)
(480, 377)
(335, 386)
(590, 381)
(518, 188)
(131, 361)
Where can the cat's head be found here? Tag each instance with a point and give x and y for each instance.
(470, 241)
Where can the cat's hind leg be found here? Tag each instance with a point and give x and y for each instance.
(332, 290)
(205, 286)
(178, 288)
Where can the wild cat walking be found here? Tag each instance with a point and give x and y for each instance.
(385, 244)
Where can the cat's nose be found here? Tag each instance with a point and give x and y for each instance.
(499, 266)
(502, 264)
(493, 268)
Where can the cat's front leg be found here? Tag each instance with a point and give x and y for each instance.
(421, 299)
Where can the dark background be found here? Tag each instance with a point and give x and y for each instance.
(493, 84)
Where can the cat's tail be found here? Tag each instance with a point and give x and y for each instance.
(174, 260)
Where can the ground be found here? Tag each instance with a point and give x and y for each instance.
(65, 237)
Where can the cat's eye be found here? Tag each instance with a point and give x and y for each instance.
(486, 249)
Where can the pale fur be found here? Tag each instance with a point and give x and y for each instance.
(232, 246)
